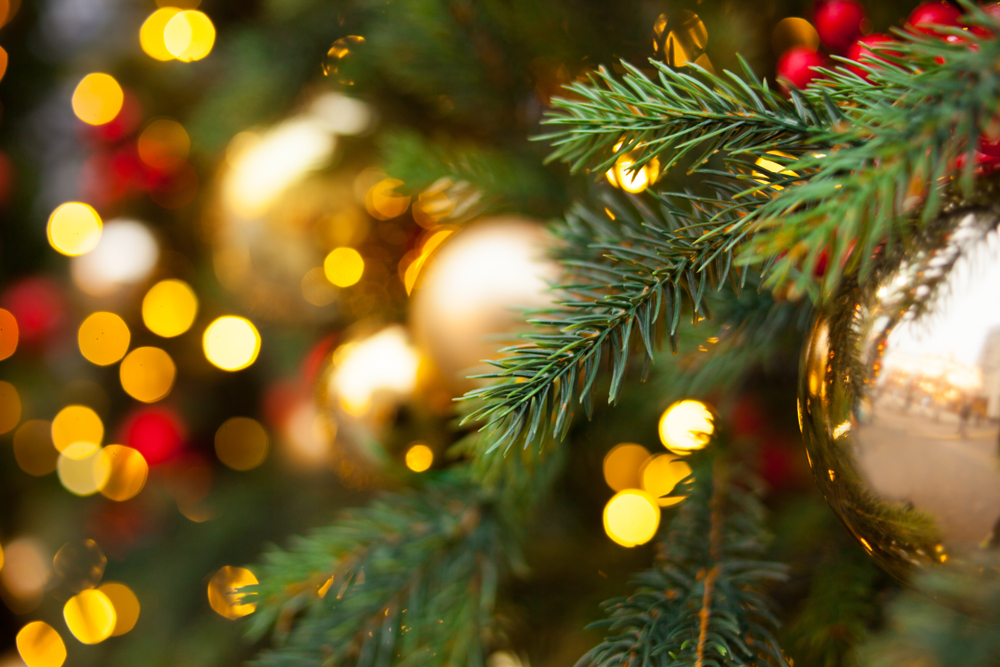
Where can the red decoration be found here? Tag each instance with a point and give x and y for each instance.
(934, 13)
(157, 433)
(860, 48)
(38, 306)
(838, 23)
(796, 65)
(993, 9)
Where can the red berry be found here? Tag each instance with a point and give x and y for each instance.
(796, 65)
(860, 48)
(838, 23)
(934, 13)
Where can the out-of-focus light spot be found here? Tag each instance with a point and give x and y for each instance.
(316, 288)
(231, 343)
(308, 437)
(337, 54)
(33, 448)
(384, 362)
(189, 35)
(774, 168)
(97, 99)
(103, 338)
(38, 305)
(40, 645)
(80, 565)
(76, 423)
(3, 62)
(90, 616)
(124, 471)
(224, 594)
(686, 426)
(412, 270)
(8, 334)
(419, 457)
(344, 267)
(74, 228)
(163, 144)
(79, 467)
(631, 517)
(661, 474)
(622, 465)
(341, 114)
(241, 443)
(685, 41)
(126, 253)
(169, 308)
(126, 606)
(1, 557)
(794, 31)
(151, 33)
(25, 573)
(263, 168)
(10, 407)
(434, 204)
(382, 201)
(147, 374)
(621, 175)
(155, 432)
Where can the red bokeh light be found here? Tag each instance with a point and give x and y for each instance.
(157, 433)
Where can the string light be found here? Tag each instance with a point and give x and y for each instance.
(631, 517)
(419, 457)
(74, 228)
(231, 343)
(686, 426)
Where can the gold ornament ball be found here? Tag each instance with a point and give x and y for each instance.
(899, 400)
(466, 297)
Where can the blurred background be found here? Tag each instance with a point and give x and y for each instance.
(249, 252)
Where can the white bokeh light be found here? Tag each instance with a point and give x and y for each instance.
(127, 254)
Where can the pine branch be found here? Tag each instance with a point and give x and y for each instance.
(702, 603)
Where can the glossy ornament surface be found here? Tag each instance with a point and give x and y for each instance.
(899, 398)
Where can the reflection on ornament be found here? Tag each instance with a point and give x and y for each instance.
(413, 262)
(686, 426)
(631, 517)
(126, 254)
(468, 293)
(899, 400)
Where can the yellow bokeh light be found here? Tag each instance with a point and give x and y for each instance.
(622, 465)
(241, 443)
(419, 457)
(74, 228)
(631, 517)
(10, 407)
(124, 471)
(412, 270)
(344, 267)
(103, 338)
(384, 363)
(1, 557)
(169, 308)
(223, 593)
(97, 99)
(686, 426)
(794, 31)
(774, 168)
(189, 35)
(382, 201)
(231, 343)
(76, 423)
(151, 33)
(661, 474)
(80, 470)
(90, 616)
(40, 645)
(25, 573)
(9, 334)
(147, 374)
(126, 606)
(163, 144)
(80, 565)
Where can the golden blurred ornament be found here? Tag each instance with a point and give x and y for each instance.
(680, 39)
(899, 399)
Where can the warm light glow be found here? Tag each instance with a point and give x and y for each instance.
(264, 167)
(385, 362)
(10, 407)
(76, 423)
(241, 443)
(97, 99)
(80, 565)
(316, 288)
(8, 334)
(26, 571)
(169, 308)
(774, 168)
(126, 254)
(74, 228)
(40, 645)
(231, 343)
(90, 616)
(223, 593)
(79, 468)
(412, 271)
(635, 181)
(794, 31)
(147, 374)
(124, 471)
(151, 33)
(661, 474)
(163, 144)
(419, 457)
(622, 465)
(686, 426)
(126, 606)
(308, 436)
(344, 266)
(189, 35)
(382, 201)
(103, 338)
(631, 517)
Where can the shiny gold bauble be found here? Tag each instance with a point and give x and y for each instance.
(899, 399)
(466, 299)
